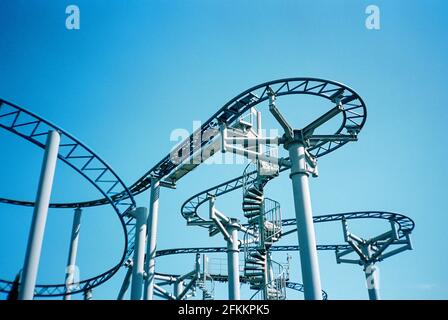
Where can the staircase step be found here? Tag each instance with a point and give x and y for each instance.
(255, 191)
(252, 214)
(254, 274)
(249, 201)
(256, 261)
(251, 208)
(253, 268)
(257, 255)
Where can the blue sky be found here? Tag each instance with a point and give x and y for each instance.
(136, 70)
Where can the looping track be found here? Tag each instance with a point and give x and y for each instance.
(84, 161)
(34, 129)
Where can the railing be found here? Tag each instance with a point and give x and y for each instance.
(275, 288)
(272, 219)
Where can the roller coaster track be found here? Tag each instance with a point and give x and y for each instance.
(89, 165)
(190, 208)
(83, 160)
(355, 113)
(243, 279)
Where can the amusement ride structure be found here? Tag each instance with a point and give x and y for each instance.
(236, 128)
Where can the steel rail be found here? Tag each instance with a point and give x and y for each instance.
(84, 161)
(353, 115)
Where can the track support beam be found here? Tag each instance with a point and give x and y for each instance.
(233, 261)
(138, 268)
(73, 252)
(35, 239)
(152, 239)
(304, 220)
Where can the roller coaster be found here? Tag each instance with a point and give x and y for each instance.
(235, 129)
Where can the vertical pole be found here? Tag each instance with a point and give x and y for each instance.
(152, 239)
(267, 276)
(73, 252)
(305, 227)
(140, 215)
(233, 262)
(204, 272)
(371, 272)
(372, 281)
(126, 282)
(36, 235)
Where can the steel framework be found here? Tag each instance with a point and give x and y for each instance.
(83, 160)
(169, 170)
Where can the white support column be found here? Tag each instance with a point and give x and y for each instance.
(371, 272)
(152, 239)
(305, 226)
(35, 239)
(73, 252)
(233, 262)
(138, 266)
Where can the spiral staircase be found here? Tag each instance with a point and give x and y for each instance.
(264, 219)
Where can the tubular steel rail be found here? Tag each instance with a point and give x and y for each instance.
(354, 114)
(89, 165)
(83, 160)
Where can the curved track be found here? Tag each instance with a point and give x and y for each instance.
(34, 129)
(84, 161)
(190, 207)
(354, 114)
(243, 279)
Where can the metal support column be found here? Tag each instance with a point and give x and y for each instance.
(36, 235)
(304, 217)
(73, 252)
(140, 215)
(233, 261)
(88, 294)
(372, 281)
(152, 239)
(125, 284)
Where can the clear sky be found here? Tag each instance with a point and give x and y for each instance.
(137, 70)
